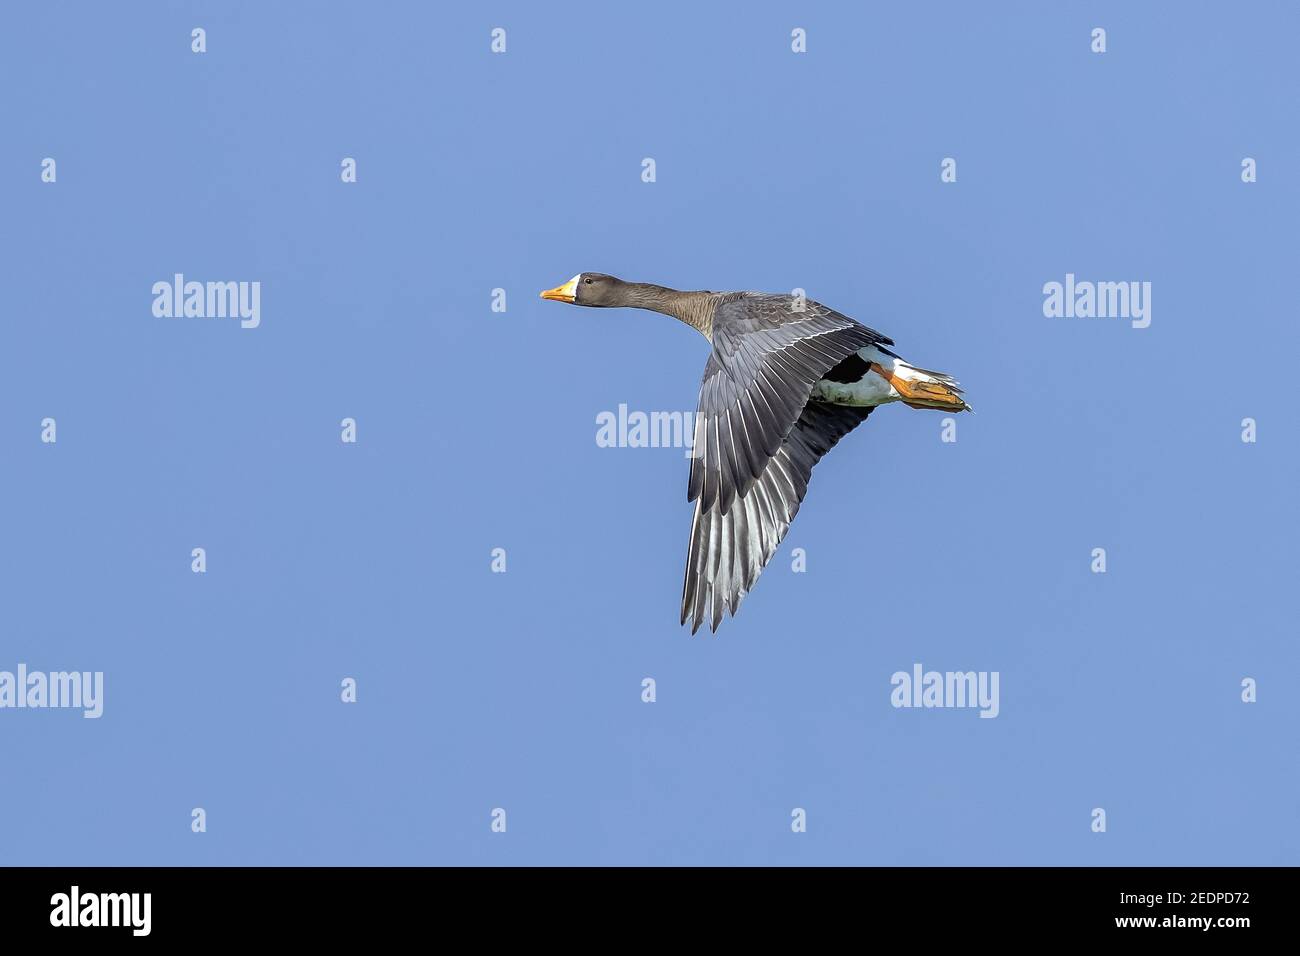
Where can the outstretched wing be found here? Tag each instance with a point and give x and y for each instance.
(728, 551)
(757, 438)
(765, 361)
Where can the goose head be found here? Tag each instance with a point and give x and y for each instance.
(592, 289)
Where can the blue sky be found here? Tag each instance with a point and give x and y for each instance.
(476, 430)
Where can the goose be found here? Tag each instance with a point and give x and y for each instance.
(786, 379)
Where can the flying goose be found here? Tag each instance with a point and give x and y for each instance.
(786, 379)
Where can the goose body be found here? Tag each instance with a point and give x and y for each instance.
(785, 380)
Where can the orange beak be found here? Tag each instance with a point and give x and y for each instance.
(563, 293)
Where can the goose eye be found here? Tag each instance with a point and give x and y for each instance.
(588, 281)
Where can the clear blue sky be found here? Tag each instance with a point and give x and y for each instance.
(477, 430)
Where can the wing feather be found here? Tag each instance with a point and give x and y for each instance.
(757, 438)
(765, 361)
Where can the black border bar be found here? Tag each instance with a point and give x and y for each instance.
(216, 904)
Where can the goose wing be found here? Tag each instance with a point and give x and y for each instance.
(757, 438)
(727, 552)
